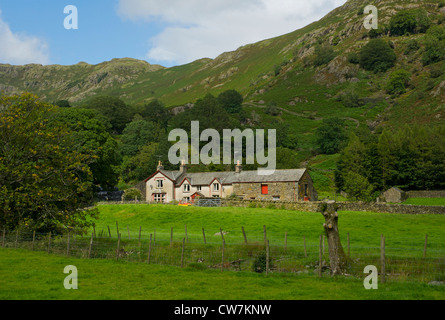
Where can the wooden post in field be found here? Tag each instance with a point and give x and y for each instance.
(265, 236)
(285, 242)
(117, 229)
(33, 239)
(204, 235)
(222, 235)
(118, 246)
(349, 246)
(109, 232)
(182, 253)
(305, 250)
(244, 234)
(68, 244)
(149, 249)
(320, 257)
(382, 258)
(91, 246)
(426, 244)
(222, 256)
(267, 257)
(49, 242)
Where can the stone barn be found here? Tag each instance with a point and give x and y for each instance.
(394, 195)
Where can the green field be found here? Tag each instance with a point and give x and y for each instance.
(37, 275)
(28, 275)
(426, 201)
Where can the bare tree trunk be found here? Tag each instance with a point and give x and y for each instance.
(338, 259)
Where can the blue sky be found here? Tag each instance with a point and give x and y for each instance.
(168, 32)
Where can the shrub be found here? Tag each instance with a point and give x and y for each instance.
(412, 46)
(351, 99)
(377, 55)
(323, 55)
(436, 72)
(272, 109)
(353, 58)
(259, 265)
(398, 81)
(409, 21)
(434, 45)
(132, 194)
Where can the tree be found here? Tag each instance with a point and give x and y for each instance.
(331, 135)
(434, 45)
(339, 262)
(358, 187)
(44, 181)
(156, 112)
(114, 109)
(403, 22)
(231, 101)
(377, 56)
(89, 131)
(136, 134)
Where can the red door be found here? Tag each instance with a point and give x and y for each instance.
(264, 189)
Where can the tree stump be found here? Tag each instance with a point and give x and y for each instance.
(339, 261)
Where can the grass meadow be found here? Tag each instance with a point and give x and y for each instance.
(31, 275)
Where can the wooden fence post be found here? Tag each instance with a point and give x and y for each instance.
(204, 235)
(265, 236)
(117, 229)
(222, 256)
(267, 257)
(305, 250)
(349, 246)
(118, 246)
(382, 258)
(109, 232)
(182, 253)
(149, 249)
(285, 242)
(426, 244)
(49, 242)
(320, 257)
(91, 245)
(244, 234)
(222, 235)
(33, 239)
(68, 244)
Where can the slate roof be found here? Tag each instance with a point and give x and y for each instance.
(206, 178)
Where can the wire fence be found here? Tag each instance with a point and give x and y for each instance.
(399, 259)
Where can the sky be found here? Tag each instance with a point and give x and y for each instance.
(165, 32)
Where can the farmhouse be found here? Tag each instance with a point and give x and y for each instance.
(284, 185)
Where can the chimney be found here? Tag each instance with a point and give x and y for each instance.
(183, 167)
(238, 167)
(160, 166)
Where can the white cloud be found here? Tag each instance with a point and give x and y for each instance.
(206, 28)
(18, 49)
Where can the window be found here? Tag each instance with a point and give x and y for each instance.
(199, 188)
(264, 189)
(186, 188)
(215, 187)
(159, 183)
(159, 197)
(187, 199)
(276, 198)
(305, 190)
